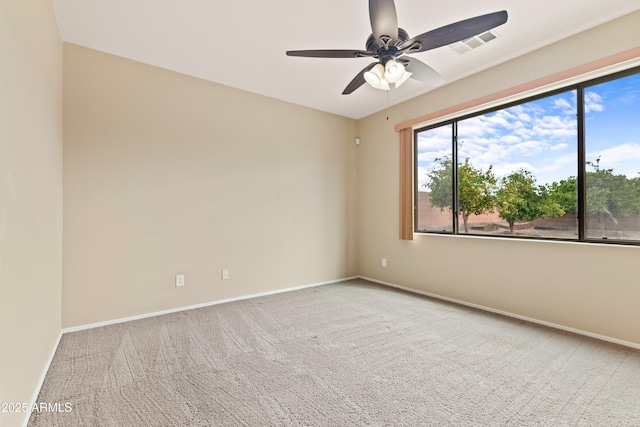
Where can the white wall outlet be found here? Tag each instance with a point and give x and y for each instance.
(384, 262)
(225, 274)
(180, 280)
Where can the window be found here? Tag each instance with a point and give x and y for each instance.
(612, 141)
(528, 169)
(435, 179)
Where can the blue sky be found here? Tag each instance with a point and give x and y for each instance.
(614, 131)
(541, 136)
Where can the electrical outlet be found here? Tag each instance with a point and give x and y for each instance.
(225, 274)
(180, 280)
(384, 262)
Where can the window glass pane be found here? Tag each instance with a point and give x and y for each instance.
(434, 180)
(517, 170)
(612, 142)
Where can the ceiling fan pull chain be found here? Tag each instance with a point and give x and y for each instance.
(387, 105)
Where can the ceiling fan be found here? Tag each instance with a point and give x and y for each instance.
(389, 44)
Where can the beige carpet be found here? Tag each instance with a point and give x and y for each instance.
(348, 354)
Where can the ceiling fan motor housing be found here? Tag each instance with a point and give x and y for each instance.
(387, 52)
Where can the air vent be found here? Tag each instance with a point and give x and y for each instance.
(476, 41)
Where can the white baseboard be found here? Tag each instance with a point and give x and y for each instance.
(191, 307)
(41, 380)
(508, 314)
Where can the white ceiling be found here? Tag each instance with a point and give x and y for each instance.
(242, 43)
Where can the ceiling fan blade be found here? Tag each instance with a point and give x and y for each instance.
(384, 20)
(422, 72)
(455, 32)
(358, 80)
(330, 53)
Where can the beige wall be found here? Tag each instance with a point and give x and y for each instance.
(167, 174)
(30, 196)
(588, 287)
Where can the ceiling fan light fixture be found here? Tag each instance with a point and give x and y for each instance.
(394, 71)
(380, 84)
(375, 76)
(404, 78)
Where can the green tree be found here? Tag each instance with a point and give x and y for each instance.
(440, 183)
(633, 186)
(476, 188)
(520, 199)
(609, 195)
(476, 191)
(565, 194)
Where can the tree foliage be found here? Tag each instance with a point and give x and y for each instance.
(565, 194)
(476, 188)
(609, 195)
(520, 199)
(476, 191)
(517, 197)
(441, 183)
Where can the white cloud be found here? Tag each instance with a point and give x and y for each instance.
(563, 104)
(630, 92)
(524, 117)
(434, 144)
(623, 159)
(430, 156)
(498, 120)
(567, 159)
(629, 98)
(524, 133)
(506, 168)
(529, 148)
(511, 139)
(421, 177)
(593, 102)
(618, 154)
(556, 126)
